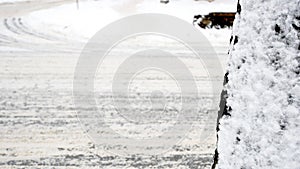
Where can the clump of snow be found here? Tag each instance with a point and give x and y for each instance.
(263, 89)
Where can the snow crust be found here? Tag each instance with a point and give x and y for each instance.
(263, 130)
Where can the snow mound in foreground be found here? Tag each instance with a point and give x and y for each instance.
(263, 89)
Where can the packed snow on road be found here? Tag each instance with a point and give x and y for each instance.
(40, 43)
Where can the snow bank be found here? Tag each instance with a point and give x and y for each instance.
(93, 15)
(11, 1)
(263, 90)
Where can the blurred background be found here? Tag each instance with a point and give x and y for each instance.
(40, 42)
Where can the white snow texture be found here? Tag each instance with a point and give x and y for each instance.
(263, 130)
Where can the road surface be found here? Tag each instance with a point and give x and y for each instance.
(38, 120)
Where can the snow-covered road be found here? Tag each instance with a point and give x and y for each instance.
(38, 121)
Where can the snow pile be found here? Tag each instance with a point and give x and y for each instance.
(263, 89)
(11, 1)
(94, 15)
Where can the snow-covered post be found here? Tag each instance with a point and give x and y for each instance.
(263, 129)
